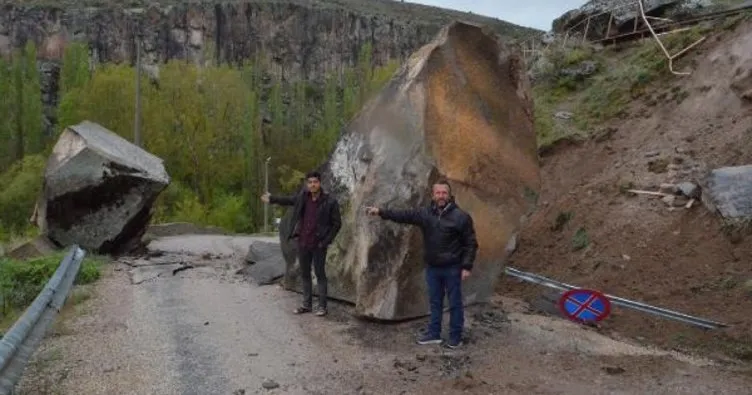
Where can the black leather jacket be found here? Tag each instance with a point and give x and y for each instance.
(448, 234)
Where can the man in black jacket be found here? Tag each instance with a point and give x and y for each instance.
(450, 247)
(316, 221)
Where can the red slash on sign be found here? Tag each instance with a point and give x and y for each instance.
(582, 305)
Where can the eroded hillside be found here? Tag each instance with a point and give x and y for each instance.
(626, 122)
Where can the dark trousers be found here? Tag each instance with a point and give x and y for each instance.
(315, 257)
(445, 281)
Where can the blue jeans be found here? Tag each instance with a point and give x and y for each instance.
(445, 281)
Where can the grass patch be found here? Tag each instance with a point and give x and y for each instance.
(580, 239)
(738, 347)
(736, 230)
(21, 282)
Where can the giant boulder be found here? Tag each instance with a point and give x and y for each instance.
(98, 190)
(460, 107)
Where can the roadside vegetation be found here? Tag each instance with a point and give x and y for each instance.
(213, 125)
(22, 280)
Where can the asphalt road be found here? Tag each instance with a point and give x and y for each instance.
(207, 331)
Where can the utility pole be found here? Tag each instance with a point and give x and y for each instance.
(137, 119)
(266, 190)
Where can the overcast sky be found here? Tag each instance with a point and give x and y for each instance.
(533, 13)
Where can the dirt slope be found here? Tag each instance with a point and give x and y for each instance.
(637, 247)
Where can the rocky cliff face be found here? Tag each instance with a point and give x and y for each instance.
(304, 39)
(307, 38)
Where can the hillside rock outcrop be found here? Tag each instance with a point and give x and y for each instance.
(615, 17)
(98, 190)
(461, 108)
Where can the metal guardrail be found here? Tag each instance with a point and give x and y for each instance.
(23, 338)
(617, 301)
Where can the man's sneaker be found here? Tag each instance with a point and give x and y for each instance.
(302, 310)
(454, 344)
(428, 339)
(320, 311)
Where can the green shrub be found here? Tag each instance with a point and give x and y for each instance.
(231, 213)
(20, 187)
(21, 281)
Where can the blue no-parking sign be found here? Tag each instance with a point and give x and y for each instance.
(583, 305)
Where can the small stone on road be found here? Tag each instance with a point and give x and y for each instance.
(269, 384)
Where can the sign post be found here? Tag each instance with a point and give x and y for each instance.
(266, 190)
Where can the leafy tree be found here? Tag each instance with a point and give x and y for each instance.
(21, 186)
(326, 137)
(364, 70)
(74, 73)
(214, 126)
(7, 129)
(26, 106)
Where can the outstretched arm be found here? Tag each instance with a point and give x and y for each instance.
(469, 244)
(410, 217)
(280, 200)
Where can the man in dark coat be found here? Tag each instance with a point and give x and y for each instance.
(316, 221)
(450, 247)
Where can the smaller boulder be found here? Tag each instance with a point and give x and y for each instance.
(266, 263)
(98, 190)
(727, 191)
(689, 189)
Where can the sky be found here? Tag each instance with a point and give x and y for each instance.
(532, 13)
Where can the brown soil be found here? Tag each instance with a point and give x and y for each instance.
(638, 247)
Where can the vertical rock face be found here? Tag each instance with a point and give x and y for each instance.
(305, 38)
(461, 108)
(98, 190)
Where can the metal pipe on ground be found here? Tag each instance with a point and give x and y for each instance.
(617, 301)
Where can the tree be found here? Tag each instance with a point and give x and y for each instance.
(326, 137)
(30, 111)
(74, 72)
(214, 126)
(364, 70)
(253, 155)
(7, 135)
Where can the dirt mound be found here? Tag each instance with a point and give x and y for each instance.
(589, 232)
